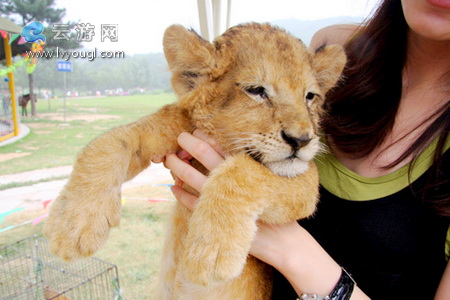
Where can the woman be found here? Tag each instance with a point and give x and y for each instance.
(384, 211)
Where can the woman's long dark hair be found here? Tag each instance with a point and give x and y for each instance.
(361, 112)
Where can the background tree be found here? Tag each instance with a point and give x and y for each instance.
(148, 72)
(44, 11)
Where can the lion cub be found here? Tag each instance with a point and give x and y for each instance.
(258, 91)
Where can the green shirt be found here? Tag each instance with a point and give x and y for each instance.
(346, 184)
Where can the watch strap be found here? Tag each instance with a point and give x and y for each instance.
(344, 288)
(342, 291)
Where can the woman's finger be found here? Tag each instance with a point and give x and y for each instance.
(184, 197)
(207, 138)
(177, 180)
(185, 172)
(200, 150)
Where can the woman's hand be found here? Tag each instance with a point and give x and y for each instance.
(201, 147)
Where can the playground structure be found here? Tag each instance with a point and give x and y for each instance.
(9, 122)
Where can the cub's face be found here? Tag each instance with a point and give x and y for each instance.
(258, 91)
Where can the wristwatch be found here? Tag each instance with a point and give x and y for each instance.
(342, 291)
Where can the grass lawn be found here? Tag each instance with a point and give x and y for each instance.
(134, 246)
(54, 141)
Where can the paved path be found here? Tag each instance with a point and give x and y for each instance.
(23, 131)
(33, 195)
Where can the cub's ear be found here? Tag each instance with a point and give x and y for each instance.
(328, 63)
(190, 58)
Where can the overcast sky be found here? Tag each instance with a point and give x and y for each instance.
(141, 24)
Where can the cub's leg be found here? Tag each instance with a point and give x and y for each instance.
(90, 203)
(255, 283)
(235, 196)
(168, 281)
(223, 224)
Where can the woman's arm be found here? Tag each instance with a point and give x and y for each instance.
(443, 292)
(334, 34)
(296, 254)
(289, 248)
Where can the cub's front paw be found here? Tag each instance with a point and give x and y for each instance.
(209, 261)
(79, 227)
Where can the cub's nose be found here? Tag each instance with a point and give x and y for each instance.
(296, 142)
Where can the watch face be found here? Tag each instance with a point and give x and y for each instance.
(313, 297)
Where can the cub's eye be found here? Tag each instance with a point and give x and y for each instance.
(257, 91)
(310, 96)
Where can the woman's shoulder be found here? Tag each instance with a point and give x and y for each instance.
(334, 34)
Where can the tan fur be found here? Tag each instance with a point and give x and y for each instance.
(262, 178)
(50, 294)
